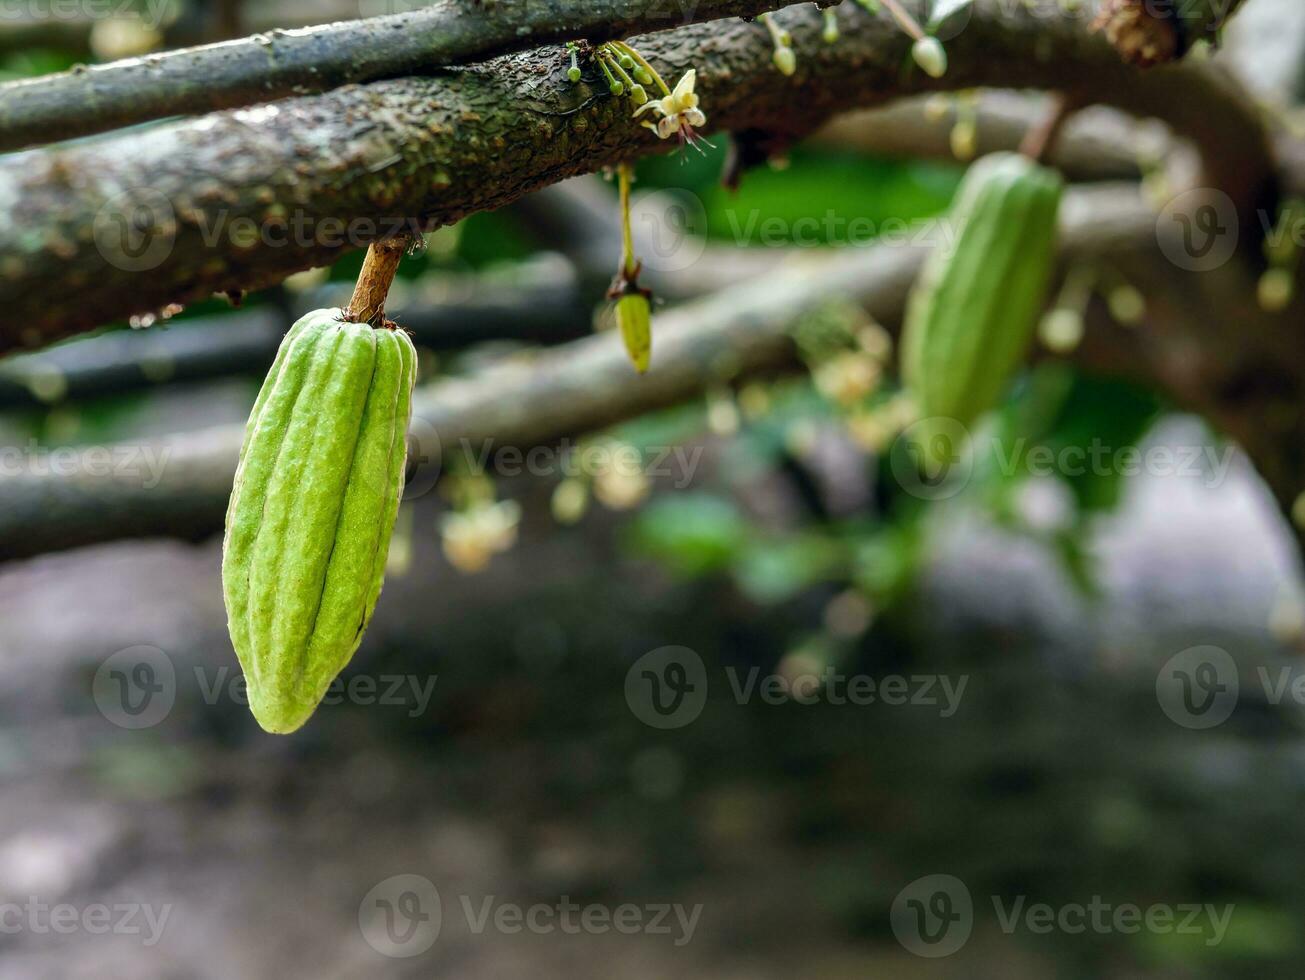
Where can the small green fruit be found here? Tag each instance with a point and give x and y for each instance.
(634, 317)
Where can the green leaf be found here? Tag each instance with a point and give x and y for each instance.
(774, 571)
(693, 534)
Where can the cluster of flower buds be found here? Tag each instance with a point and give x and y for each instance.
(675, 112)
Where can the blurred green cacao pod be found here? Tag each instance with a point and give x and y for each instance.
(973, 313)
(315, 499)
(634, 317)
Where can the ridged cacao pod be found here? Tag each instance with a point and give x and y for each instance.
(973, 313)
(316, 495)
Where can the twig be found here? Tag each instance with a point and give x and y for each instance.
(286, 63)
(1105, 147)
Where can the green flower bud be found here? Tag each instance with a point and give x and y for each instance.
(1062, 330)
(1276, 291)
(1127, 305)
(830, 32)
(931, 56)
(785, 61)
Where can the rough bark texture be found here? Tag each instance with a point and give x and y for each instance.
(284, 63)
(242, 199)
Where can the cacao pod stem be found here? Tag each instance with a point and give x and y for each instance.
(375, 280)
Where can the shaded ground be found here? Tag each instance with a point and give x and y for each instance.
(528, 778)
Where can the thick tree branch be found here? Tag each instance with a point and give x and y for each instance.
(180, 487)
(243, 199)
(318, 59)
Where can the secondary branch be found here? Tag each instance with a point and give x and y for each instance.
(317, 59)
(180, 487)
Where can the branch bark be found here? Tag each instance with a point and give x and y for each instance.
(241, 200)
(317, 59)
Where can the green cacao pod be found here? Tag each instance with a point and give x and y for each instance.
(973, 313)
(634, 317)
(316, 495)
